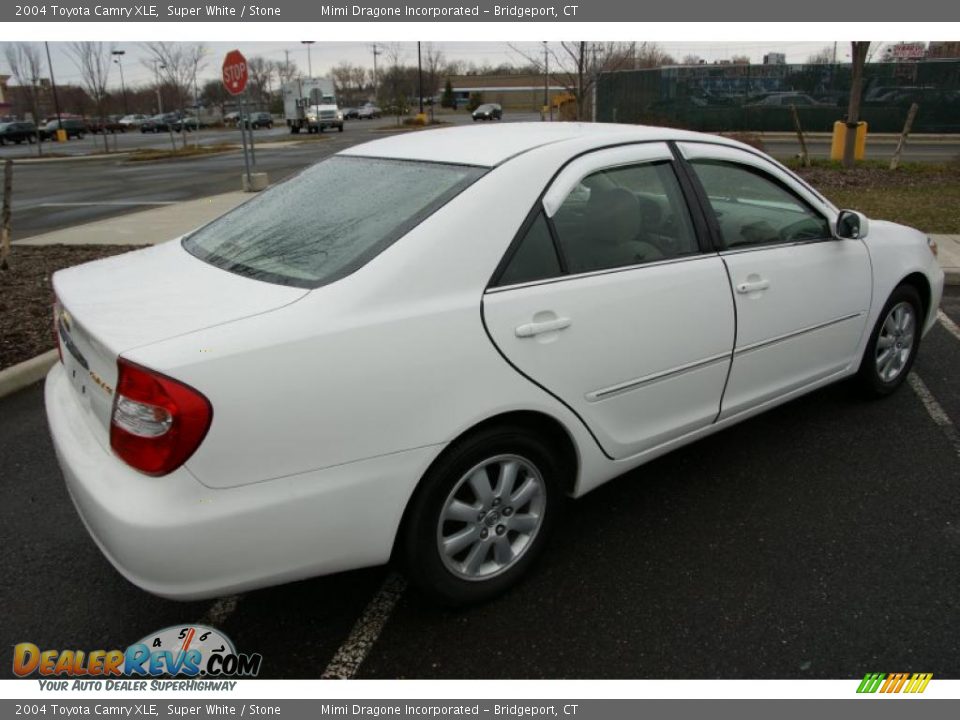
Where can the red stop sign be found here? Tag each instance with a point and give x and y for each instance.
(235, 72)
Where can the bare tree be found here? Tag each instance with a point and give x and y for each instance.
(740, 59)
(287, 70)
(394, 84)
(823, 56)
(691, 59)
(577, 65)
(650, 55)
(25, 63)
(433, 66)
(178, 64)
(261, 76)
(93, 60)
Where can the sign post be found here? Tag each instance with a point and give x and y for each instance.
(235, 81)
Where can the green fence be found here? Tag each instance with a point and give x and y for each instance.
(715, 98)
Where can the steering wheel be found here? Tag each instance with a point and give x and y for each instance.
(806, 229)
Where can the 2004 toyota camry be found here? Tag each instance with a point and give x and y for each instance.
(416, 347)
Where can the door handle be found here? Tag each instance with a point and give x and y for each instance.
(753, 286)
(538, 328)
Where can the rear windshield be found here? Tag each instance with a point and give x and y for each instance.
(329, 220)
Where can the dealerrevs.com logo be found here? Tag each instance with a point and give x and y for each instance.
(911, 683)
(188, 651)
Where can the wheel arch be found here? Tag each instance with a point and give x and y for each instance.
(549, 428)
(919, 282)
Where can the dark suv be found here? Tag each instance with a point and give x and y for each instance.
(18, 132)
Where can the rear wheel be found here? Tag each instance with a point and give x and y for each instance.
(481, 516)
(893, 343)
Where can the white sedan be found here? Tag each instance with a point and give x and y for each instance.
(417, 347)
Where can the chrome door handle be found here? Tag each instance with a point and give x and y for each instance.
(753, 286)
(538, 328)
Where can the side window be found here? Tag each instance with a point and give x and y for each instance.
(625, 216)
(534, 259)
(752, 209)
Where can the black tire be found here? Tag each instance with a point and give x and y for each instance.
(340, 128)
(872, 383)
(418, 541)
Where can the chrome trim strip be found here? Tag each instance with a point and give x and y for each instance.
(795, 333)
(655, 377)
(698, 255)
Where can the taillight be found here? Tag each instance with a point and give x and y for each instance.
(158, 422)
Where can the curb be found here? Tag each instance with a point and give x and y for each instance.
(73, 158)
(26, 373)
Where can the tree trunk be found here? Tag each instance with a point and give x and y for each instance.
(5, 214)
(859, 58)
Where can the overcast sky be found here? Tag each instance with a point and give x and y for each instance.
(325, 55)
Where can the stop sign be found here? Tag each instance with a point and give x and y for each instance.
(235, 72)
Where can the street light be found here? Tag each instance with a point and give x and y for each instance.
(308, 43)
(123, 88)
(157, 66)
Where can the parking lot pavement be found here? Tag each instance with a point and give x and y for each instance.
(819, 540)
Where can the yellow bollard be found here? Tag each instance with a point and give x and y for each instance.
(61, 135)
(840, 138)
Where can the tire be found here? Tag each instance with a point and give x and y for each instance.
(339, 128)
(475, 570)
(897, 330)
(79, 136)
(294, 130)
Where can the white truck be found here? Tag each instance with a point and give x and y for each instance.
(311, 104)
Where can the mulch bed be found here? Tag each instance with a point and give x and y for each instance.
(26, 297)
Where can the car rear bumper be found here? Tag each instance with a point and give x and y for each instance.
(177, 538)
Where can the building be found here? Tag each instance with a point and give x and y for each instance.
(516, 92)
(4, 103)
(775, 58)
(943, 50)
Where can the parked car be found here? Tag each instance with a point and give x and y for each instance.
(369, 112)
(75, 128)
(159, 123)
(783, 99)
(20, 132)
(257, 120)
(449, 331)
(132, 120)
(105, 125)
(351, 113)
(488, 111)
(231, 118)
(189, 123)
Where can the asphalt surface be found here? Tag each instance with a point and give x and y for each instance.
(57, 194)
(820, 540)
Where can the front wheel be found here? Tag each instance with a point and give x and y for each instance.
(481, 516)
(893, 343)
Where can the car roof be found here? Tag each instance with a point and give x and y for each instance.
(488, 146)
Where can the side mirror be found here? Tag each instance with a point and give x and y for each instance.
(852, 225)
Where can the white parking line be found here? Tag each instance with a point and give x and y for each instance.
(220, 611)
(949, 324)
(935, 411)
(367, 629)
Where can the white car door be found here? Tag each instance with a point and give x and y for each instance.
(802, 295)
(608, 301)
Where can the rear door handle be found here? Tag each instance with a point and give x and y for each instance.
(538, 328)
(753, 286)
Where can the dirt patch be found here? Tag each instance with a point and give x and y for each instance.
(26, 296)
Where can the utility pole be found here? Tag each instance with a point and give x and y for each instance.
(419, 78)
(308, 43)
(375, 53)
(53, 84)
(123, 88)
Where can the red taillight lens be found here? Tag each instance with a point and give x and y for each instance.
(157, 423)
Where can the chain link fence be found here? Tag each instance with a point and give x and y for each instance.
(719, 98)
